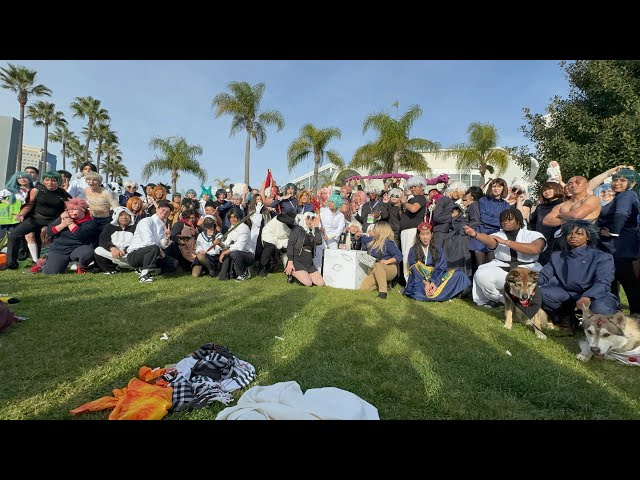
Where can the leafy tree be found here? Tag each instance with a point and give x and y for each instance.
(89, 108)
(394, 149)
(597, 127)
(243, 104)
(76, 150)
(63, 136)
(44, 114)
(481, 151)
(313, 141)
(176, 156)
(21, 80)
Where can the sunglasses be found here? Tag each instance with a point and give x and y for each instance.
(310, 217)
(395, 196)
(515, 190)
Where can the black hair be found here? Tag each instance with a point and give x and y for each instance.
(165, 204)
(89, 164)
(187, 212)
(475, 192)
(512, 214)
(236, 212)
(588, 227)
(65, 174)
(33, 168)
(417, 244)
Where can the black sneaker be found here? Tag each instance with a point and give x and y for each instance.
(382, 295)
(246, 276)
(146, 279)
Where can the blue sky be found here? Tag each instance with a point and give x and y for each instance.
(147, 98)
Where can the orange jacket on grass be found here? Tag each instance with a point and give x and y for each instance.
(139, 400)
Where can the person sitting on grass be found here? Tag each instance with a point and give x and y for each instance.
(577, 275)
(236, 248)
(207, 254)
(514, 246)
(136, 206)
(151, 237)
(380, 244)
(184, 234)
(72, 238)
(430, 280)
(301, 249)
(111, 254)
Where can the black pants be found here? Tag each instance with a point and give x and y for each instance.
(58, 262)
(104, 263)
(626, 276)
(242, 261)
(30, 224)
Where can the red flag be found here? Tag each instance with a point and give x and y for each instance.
(269, 181)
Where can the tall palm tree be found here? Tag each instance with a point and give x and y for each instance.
(21, 80)
(176, 156)
(243, 104)
(113, 157)
(314, 141)
(44, 114)
(76, 150)
(89, 108)
(63, 136)
(481, 151)
(394, 149)
(103, 134)
(222, 182)
(119, 172)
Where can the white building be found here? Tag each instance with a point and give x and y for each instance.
(438, 164)
(32, 157)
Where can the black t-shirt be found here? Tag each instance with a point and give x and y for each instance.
(50, 204)
(412, 220)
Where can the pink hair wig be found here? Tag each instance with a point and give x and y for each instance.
(77, 203)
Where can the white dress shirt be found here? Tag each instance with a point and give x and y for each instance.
(150, 231)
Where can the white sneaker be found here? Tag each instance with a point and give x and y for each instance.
(146, 279)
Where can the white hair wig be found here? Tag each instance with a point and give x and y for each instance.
(416, 181)
(455, 186)
(131, 183)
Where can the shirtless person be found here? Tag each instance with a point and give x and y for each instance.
(581, 206)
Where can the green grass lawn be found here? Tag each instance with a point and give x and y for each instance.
(88, 334)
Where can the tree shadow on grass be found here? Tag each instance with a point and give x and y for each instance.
(234, 316)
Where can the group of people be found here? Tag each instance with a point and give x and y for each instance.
(450, 241)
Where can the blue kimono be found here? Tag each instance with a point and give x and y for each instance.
(490, 210)
(290, 205)
(449, 282)
(573, 274)
(620, 216)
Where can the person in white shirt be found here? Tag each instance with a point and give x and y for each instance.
(78, 184)
(514, 246)
(332, 224)
(151, 237)
(207, 254)
(237, 248)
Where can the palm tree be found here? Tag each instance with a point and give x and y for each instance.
(394, 149)
(89, 108)
(44, 114)
(481, 152)
(222, 182)
(103, 134)
(324, 180)
(243, 104)
(77, 153)
(113, 157)
(63, 135)
(314, 141)
(21, 80)
(176, 155)
(119, 172)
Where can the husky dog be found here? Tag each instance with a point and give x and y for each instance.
(523, 301)
(614, 337)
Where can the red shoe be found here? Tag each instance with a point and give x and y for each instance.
(36, 269)
(80, 271)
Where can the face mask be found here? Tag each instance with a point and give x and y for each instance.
(258, 204)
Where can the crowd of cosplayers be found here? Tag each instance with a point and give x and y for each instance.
(436, 239)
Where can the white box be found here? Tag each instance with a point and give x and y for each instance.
(346, 268)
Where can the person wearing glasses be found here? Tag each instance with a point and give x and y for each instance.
(392, 211)
(413, 214)
(517, 198)
(130, 190)
(301, 248)
(371, 210)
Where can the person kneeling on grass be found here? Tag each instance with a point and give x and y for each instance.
(150, 239)
(73, 236)
(207, 254)
(115, 239)
(301, 249)
(380, 244)
(429, 278)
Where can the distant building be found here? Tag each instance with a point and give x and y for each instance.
(438, 164)
(9, 131)
(32, 157)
